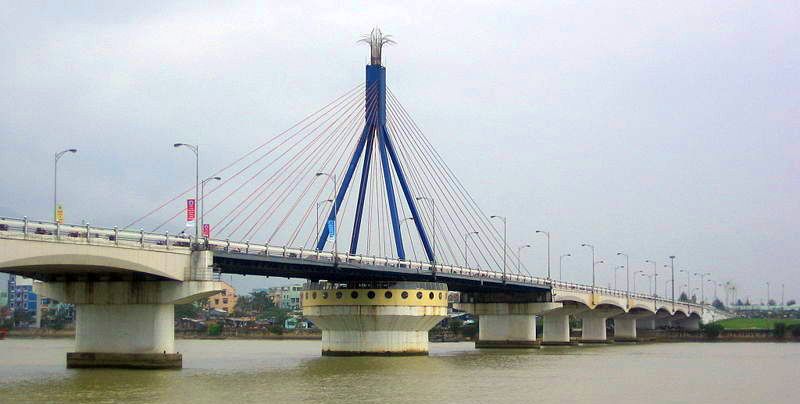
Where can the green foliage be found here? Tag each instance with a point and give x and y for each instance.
(712, 331)
(791, 303)
(186, 310)
(254, 303)
(771, 302)
(795, 330)
(276, 329)
(779, 330)
(470, 330)
(683, 297)
(754, 323)
(215, 329)
(718, 304)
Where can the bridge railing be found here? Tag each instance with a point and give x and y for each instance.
(86, 233)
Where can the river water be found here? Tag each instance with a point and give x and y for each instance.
(247, 371)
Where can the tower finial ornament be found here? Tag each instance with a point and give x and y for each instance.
(376, 39)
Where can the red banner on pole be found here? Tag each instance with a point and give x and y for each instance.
(191, 210)
(206, 230)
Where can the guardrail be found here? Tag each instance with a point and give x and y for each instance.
(51, 231)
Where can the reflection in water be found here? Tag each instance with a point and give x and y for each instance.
(280, 371)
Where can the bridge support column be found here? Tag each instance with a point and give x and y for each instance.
(593, 324)
(556, 325)
(126, 324)
(691, 323)
(625, 328)
(375, 318)
(647, 323)
(506, 325)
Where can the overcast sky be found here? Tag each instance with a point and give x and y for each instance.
(653, 129)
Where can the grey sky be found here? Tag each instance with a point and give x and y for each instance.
(653, 129)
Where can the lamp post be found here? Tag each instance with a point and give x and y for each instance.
(593, 263)
(672, 267)
(467, 236)
(702, 276)
(767, 293)
(561, 265)
(519, 257)
(547, 233)
(413, 249)
(655, 277)
(688, 280)
(318, 205)
(649, 281)
(203, 198)
(505, 243)
(669, 282)
(433, 227)
(196, 150)
(55, 180)
(617, 268)
(627, 272)
(332, 177)
(634, 280)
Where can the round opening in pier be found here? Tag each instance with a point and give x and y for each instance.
(324, 295)
(338, 295)
(430, 295)
(371, 294)
(404, 295)
(419, 295)
(354, 294)
(388, 294)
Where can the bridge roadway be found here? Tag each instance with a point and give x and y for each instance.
(123, 285)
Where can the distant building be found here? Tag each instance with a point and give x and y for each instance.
(22, 299)
(3, 298)
(225, 300)
(286, 297)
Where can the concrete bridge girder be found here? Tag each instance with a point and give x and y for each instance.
(38, 258)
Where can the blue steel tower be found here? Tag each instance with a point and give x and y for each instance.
(376, 134)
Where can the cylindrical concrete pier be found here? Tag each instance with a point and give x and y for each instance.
(624, 328)
(375, 318)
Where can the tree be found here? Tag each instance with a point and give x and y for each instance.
(712, 331)
(791, 303)
(779, 330)
(189, 310)
(718, 304)
(739, 302)
(683, 297)
(771, 302)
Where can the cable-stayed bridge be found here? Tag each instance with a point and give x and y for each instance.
(353, 198)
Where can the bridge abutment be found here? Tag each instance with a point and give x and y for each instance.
(126, 324)
(509, 324)
(375, 318)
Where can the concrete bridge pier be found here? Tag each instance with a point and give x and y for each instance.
(593, 324)
(690, 323)
(507, 323)
(626, 324)
(126, 324)
(555, 324)
(375, 318)
(646, 323)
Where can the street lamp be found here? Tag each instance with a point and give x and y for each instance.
(408, 230)
(55, 180)
(466, 238)
(433, 227)
(655, 277)
(634, 280)
(617, 268)
(203, 197)
(627, 272)
(593, 263)
(672, 267)
(505, 243)
(767, 293)
(561, 264)
(649, 281)
(688, 280)
(332, 177)
(702, 276)
(519, 257)
(547, 233)
(318, 205)
(669, 282)
(196, 150)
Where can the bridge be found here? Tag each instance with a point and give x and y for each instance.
(371, 298)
